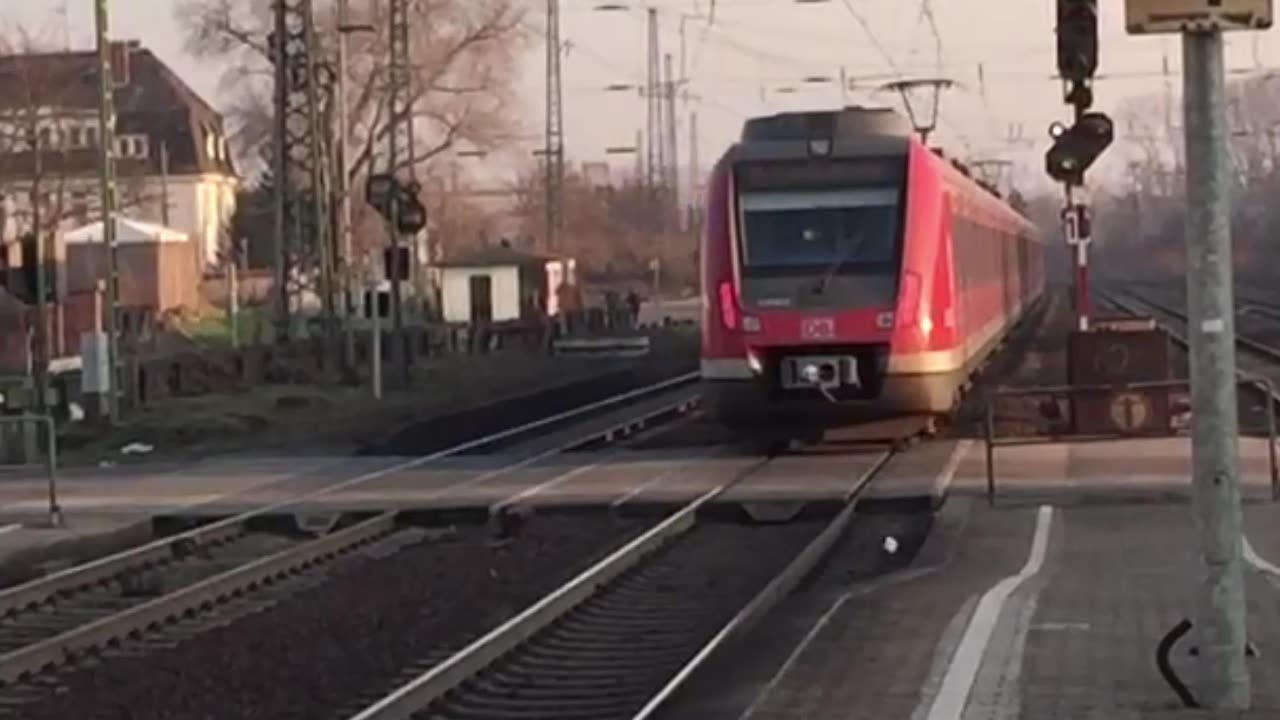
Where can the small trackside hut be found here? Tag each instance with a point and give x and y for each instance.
(849, 271)
(500, 284)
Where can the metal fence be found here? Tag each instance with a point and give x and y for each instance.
(1072, 392)
(50, 432)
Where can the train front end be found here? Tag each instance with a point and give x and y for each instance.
(802, 272)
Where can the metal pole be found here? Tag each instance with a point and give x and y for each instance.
(40, 361)
(375, 359)
(280, 181)
(342, 188)
(399, 60)
(233, 302)
(164, 183)
(1220, 620)
(988, 433)
(51, 466)
(319, 206)
(107, 183)
(1081, 253)
(553, 154)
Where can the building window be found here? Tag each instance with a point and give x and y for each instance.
(91, 136)
(132, 146)
(77, 137)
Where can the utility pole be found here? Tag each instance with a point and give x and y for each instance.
(107, 190)
(553, 154)
(319, 226)
(653, 140)
(640, 157)
(164, 183)
(280, 169)
(342, 189)
(695, 174)
(1223, 682)
(673, 156)
(1224, 675)
(399, 66)
(40, 361)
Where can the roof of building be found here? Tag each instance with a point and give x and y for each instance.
(491, 256)
(128, 231)
(152, 100)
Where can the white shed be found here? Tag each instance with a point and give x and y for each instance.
(500, 284)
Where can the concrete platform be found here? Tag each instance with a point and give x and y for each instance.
(1048, 606)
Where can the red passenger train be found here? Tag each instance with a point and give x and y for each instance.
(848, 271)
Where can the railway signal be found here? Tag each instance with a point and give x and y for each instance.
(398, 203)
(1076, 148)
(1077, 39)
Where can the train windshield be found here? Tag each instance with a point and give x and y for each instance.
(842, 231)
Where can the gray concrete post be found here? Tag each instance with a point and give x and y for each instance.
(1223, 681)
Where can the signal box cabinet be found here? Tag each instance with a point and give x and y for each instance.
(1120, 352)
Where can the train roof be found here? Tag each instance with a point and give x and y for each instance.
(852, 131)
(849, 123)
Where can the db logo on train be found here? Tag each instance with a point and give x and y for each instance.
(820, 328)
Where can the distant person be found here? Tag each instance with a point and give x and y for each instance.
(633, 303)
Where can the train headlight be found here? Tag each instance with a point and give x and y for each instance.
(750, 323)
(926, 325)
(811, 374)
(884, 321)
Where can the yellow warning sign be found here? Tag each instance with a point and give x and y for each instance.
(1130, 411)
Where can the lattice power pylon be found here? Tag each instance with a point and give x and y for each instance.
(654, 145)
(671, 170)
(553, 153)
(303, 81)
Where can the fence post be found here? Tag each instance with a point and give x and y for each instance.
(1269, 389)
(51, 464)
(989, 430)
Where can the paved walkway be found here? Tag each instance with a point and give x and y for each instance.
(1029, 612)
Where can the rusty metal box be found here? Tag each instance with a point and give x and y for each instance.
(1117, 353)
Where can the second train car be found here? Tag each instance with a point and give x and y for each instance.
(850, 271)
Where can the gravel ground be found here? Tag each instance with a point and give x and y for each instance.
(1035, 355)
(310, 655)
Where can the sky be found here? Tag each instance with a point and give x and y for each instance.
(753, 56)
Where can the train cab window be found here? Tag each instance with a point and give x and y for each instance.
(854, 230)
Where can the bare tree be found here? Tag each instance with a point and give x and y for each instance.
(609, 229)
(464, 55)
(1141, 222)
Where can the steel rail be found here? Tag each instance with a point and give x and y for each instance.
(46, 589)
(435, 683)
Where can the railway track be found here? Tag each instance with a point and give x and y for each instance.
(621, 639)
(1258, 358)
(616, 640)
(75, 614)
